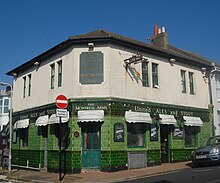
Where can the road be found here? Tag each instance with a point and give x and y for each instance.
(209, 174)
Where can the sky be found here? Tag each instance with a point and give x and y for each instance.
(31, 27)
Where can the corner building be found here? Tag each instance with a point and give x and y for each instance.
(131, 104)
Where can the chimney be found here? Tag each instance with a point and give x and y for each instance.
(161, 39)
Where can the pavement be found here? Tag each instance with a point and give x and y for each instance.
(25, 175)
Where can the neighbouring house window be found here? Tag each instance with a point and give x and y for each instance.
(155, 75)
(191, 83)
(6, 105)
(29, 85)
(217, 81)
(52, 75)
(218, 113)
(23, 132)
(24, 86)
(190, 136)
(183, 80)
(1, 105)
(136, 134)
(59, 73)
(145, 81)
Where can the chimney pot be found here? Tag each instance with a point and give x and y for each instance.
(163, 29)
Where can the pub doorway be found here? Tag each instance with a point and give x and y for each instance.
(165, 132)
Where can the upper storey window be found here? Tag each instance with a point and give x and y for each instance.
(183, 80)
(217, 82)
(24, 86)
(191, 83)
(155, 75)
(52, 75)
(29, 85)
(145, 81)
(4, 105)
(59, 73)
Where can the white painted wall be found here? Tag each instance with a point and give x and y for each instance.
(117, 82)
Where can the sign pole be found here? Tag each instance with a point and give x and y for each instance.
(60, 178)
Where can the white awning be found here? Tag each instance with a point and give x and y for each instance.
(137, 117)
(167, 119)
(91, 116)
(23, 123)
(42, 121)
(192, 121)
(54, 119)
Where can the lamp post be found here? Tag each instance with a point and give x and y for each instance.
(10, 126)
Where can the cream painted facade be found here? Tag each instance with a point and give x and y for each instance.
(117, 81)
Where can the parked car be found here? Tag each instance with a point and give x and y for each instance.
(209, 153)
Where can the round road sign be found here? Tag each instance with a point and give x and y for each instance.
(61, 101)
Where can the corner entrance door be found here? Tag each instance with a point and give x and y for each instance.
(91, 151)
(165, 131)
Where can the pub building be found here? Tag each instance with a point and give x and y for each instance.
(130, 104)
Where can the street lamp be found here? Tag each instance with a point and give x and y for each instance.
(10, 125)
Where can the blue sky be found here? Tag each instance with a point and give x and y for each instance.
(30, 27)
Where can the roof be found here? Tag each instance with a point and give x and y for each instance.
(102, 35)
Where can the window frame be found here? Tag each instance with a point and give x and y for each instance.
(29, 85)
(131, 127)
(60, 72)
(24, 86)
(155, 76)
(23, 135)
(1, 105)
(217, 87)
(52, 76)
(188, 129)
(183, 80)
(191, 83)
(145, 77)
(4, 106)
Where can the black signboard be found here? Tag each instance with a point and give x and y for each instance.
(153, 132)
(178, 133)
(119, 132)
(91, 68)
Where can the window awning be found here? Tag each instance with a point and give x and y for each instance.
(91, 116)
(192, 121)
(54, 119)
(167, 119)
(42, 120)
(23, 123)
(137, 117)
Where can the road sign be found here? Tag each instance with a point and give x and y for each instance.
(61, 101)
(61, 113)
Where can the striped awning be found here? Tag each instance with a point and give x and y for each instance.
(91, 116)
(54, 119)
(192, 121)
(42, 121)
(23, 123)
(166, 119)
(137, 117)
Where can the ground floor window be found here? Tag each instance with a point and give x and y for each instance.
(62, 130)
(190, 135)
(136, 134)
(23, 134)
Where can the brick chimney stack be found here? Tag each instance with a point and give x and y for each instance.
(160, 38)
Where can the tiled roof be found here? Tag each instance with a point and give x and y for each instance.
(104, 35)
(170, 50)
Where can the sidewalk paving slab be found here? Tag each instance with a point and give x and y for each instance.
(25, 175)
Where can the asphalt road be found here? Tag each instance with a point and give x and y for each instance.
(209, 174)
